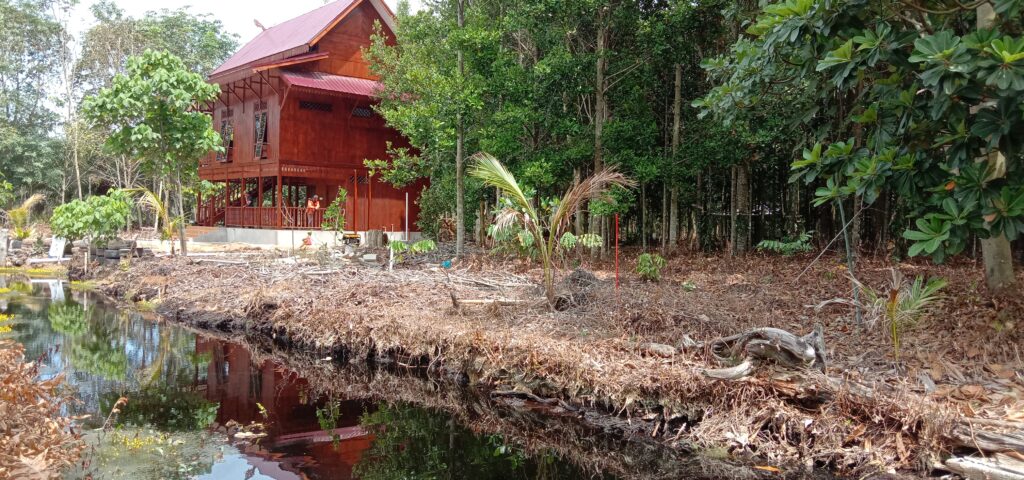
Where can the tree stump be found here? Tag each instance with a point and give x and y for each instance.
(375, 238)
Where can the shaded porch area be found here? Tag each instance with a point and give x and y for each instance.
(279, 201)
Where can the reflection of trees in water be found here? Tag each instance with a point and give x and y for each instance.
(414, 443)
(141, 453)
(68, 318)
(166, 408)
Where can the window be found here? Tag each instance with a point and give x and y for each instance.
(317, 106)
(227, 139)
(260, 134)
(362, 112)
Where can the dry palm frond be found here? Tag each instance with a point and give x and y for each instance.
(19, 216)
(593, 187)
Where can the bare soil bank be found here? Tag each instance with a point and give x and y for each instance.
(957, 385)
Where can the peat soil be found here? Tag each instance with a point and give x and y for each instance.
(639, 351)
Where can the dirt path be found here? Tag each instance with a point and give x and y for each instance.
(868, 413)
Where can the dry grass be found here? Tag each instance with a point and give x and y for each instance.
(35, 440)
(593, 355)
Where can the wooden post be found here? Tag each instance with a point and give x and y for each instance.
(369, 199)
(355, 204)
(259, 200)
(277, 199)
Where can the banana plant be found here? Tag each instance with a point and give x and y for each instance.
(546, 232)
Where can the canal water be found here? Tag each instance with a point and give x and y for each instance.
(199, 407)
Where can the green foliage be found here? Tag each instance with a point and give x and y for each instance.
(400, 249)
(6, 192)
(68, 318)
(152, 114)
(334, 214)
(788, 246)
(902, 304)
(921, 112)
(98, 218)
(649, 266)
(414, 443)
(327, 417)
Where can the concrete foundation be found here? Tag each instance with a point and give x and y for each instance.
(285, 238)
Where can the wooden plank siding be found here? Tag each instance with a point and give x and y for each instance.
(316, 141)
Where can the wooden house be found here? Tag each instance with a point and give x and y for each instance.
(295, 114)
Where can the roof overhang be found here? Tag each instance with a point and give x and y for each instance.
(331, 84)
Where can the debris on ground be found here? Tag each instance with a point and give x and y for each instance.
(861, 408)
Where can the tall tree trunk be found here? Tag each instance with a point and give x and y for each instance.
(643, 216)
(741, 213)
(673, 212)
(600, 113)
(664, 217)
(460, 188)
(856, 226)
(794, 223)
(181, 214)
(995, 250)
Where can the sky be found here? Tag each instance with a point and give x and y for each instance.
(238, 16)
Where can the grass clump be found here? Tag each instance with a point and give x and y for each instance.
(146, 305)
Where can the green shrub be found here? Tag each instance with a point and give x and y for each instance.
(334, 214)
(649, 265)
(788, 246)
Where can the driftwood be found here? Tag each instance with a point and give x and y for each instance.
(745, 351)
(998, 467)
(987, 441)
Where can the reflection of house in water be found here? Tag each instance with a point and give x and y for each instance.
(296, 439)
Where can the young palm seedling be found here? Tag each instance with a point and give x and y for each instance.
(545, 232)
(902, 304)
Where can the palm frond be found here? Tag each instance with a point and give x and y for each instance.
(490, 170)
(19, 216)
(594, 187)
(32, 201)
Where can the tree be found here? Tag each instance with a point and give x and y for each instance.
(152, 112)
(429, 96)
(97, 218)
(26, 119)
(921, 105)
(546, 233)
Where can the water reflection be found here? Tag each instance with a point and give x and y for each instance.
(186, 393)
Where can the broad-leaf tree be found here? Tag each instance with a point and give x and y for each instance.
(152, 112)
(922, 101)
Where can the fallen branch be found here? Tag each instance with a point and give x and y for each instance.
(999, 467)
(745, 351)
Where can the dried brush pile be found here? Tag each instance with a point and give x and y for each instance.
(638, 353)
(35, 440)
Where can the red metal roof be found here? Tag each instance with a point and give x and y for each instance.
(288, 38)
(332, 83)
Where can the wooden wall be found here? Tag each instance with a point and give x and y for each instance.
(345, 42)
(243, 119)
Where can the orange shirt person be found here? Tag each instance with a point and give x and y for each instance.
(312, 206)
